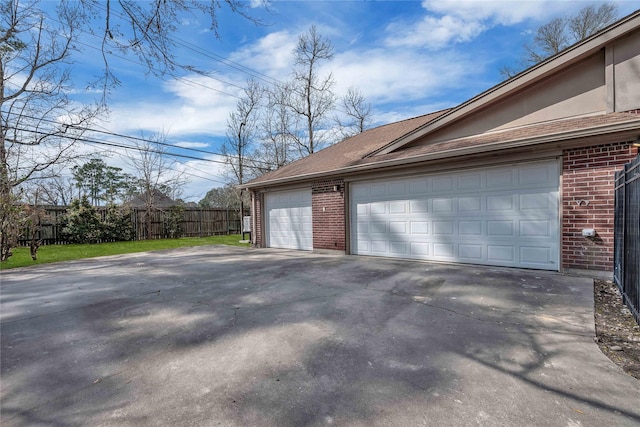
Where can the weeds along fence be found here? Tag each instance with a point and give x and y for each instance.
(195, 222)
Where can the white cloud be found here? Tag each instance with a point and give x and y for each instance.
(191, 144)
(434, 32)
(272, 54)
(196, 105)
(452, 21)
(499, 11)
(400, 76)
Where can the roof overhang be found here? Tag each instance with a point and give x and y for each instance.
(597, 134)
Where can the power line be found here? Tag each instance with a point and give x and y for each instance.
(113, 144)
(199, 50)
(211, 55)
(108, 132)
(229, 63)
(197, 176)
(217, 181)
(184, 79)
(131, 137)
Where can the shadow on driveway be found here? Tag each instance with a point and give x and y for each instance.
(234, 336)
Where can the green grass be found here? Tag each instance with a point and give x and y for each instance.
(56, 253)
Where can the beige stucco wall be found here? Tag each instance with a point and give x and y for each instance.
(623, 73)
(577, 91)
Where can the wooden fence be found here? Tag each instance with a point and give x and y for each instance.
(195, 222)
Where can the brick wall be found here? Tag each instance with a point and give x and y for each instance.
(588, 202)
(256, 212)
(328, 215)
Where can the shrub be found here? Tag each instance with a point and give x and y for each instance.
(117, 225)
(172, 220)
(82, 222)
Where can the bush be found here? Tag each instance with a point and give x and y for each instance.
(82, 222)
(117, 225)
(172, 220)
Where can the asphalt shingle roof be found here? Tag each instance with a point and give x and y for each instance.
(357, 150)
(348, 151)
(494, 139)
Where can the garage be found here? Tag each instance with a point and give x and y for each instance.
(503, 216)
(289, 220)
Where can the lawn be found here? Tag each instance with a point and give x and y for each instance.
(57, 253)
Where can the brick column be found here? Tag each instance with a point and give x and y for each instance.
(256, 214)
(328, 210)
(588, 202)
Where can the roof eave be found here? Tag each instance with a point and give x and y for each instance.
(604, 130)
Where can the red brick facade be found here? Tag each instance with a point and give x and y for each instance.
(588, 202)
(328, 210)
(256, 212)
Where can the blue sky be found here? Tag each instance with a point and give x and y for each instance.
(407, 57)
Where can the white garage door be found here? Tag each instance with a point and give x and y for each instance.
(504, 216)
(288, 219)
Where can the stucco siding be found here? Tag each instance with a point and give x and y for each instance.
(577, 91)
(626, 69)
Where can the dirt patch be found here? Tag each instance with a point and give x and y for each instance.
(617, 333)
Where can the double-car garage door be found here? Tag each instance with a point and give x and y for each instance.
(503, 216)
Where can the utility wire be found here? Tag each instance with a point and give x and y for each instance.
(113, 144)
(119, 135)
(183, 79)
(211, 55)
(197, 49)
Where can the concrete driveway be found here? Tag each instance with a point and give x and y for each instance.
(239, 337)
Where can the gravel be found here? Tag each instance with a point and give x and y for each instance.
(617, 333)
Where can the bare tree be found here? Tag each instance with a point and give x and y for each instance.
(156, 174)
(310, 95)
(357, 111)
(559, 33)
(590, 20)
(276, 136)
(40, 122)
(242, 127)
(57, 190)
(272, 127)
(147, 29)
(550, 39)
(35, 215)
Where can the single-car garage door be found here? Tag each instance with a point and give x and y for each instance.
(288, 219)
(504, 216)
